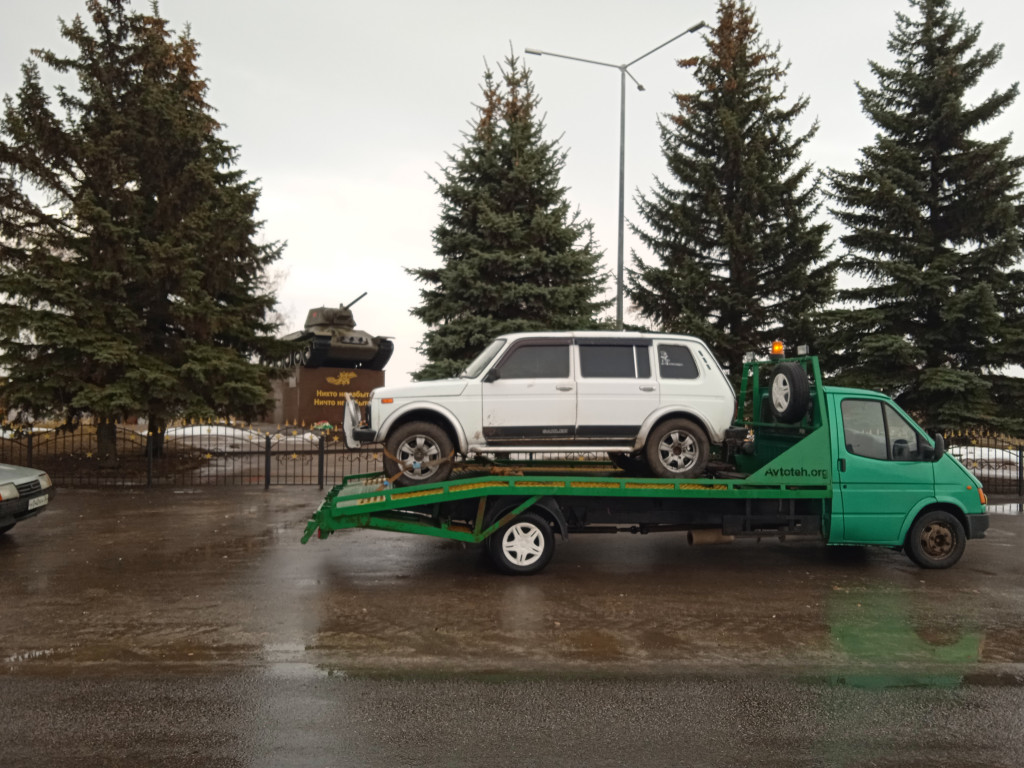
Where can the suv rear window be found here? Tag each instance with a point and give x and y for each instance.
(614, 361)
(676, 362)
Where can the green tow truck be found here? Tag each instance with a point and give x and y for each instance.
(802, 459)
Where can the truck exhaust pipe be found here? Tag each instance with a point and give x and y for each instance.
(703, 536)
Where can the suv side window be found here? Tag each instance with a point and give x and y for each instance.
(536, 362)
(615, 361)
(676, 362)
(877, 431)
(607, 361)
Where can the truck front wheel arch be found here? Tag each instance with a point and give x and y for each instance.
(936, 539)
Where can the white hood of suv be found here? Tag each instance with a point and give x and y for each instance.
(431, 389)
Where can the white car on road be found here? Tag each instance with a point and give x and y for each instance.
(23, 494)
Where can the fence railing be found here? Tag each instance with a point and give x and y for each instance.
(212, 454)
(998, 462)
(227, 454)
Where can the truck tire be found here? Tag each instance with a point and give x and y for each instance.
(677, 448)
(790, 393)
(936, 540)
(418, 452)
(523, 546)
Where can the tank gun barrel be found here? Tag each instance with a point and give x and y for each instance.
(356, 299)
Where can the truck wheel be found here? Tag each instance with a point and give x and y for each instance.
(525, 545)
(790, 393)
(677, 448)
(418, 452)
(936, 540)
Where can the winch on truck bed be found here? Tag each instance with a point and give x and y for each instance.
(802, 458)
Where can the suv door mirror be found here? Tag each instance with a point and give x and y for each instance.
(492, 375)
(940, 446)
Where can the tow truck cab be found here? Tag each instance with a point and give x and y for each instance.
(891, 484)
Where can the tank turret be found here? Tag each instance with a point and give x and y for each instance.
(330, 338)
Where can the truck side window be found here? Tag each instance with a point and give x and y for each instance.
(536, 362)
(676, 362)
(905, 442)
(877, 431)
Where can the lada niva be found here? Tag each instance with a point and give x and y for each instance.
(654, 402)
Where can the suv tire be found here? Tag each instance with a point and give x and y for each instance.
(677, 448)
(418, 452)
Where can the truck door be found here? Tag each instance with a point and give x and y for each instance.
(885, 470)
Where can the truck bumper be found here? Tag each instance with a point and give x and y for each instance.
(976, 526)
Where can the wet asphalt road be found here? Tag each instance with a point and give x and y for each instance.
(168, 628)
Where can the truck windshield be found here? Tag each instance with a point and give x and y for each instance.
(475, 368)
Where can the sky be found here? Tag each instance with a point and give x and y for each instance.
(344, 110)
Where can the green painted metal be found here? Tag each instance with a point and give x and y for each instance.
(364, 501)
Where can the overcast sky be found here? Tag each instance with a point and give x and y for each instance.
(343, 108)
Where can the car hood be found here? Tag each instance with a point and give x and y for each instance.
(12, 474)
(431, 389)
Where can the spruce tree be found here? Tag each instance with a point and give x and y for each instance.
(132, 279)
(515, 256)
(933, 216)
(735, 231)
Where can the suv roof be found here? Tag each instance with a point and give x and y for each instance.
(598, 335)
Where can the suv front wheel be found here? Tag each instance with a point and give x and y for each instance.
(677, 448)
(418, 452)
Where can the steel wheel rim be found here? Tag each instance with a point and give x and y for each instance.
(937, 540)
(678, 451)
(418, 456)
(522, 543)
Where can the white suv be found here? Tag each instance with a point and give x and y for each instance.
(654, 402)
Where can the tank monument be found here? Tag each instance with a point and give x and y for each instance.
(330, 358)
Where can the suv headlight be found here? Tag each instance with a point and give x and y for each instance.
(45, 481)
(8, 491)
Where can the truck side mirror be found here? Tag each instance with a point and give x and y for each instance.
(940, 446)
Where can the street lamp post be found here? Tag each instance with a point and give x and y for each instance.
(623, 71)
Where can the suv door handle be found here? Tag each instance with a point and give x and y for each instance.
(647, 389)
(563, 388)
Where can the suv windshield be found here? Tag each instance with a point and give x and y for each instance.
(481, 361)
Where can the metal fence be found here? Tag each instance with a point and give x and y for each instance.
(211, 454)
(228, 454)
(997, 461)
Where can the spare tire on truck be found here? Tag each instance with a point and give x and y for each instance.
(789, 393)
